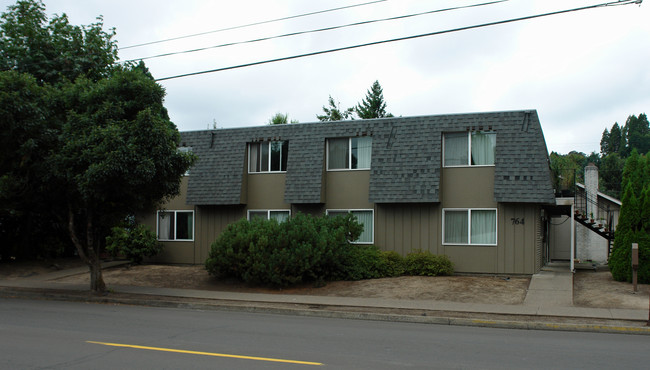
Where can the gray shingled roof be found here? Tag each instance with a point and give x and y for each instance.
(406, 158)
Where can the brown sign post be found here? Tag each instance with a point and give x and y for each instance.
(635, 264)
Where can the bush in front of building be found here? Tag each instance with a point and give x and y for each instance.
(302, 248)
(391, 264)
(306, 248)
(134, 242)
(425, 263)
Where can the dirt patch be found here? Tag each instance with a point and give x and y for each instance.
(598, 289)
(471, 289)
(591, 289)
(16, 269)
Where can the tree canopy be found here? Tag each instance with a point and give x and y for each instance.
(635, 134)
(89, 141)
(281, 119)
(56, 50)
(334, 112)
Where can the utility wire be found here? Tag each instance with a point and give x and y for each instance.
(252, 24)
(316, 30)
(615, 3)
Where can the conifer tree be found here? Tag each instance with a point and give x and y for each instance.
(373, 105)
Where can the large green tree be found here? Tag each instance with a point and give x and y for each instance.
(27, 136)
(633, 226)
(373, 105)
(611, 174)
(94, 139)
(56, 50)
(117, 156)
(637, 131)
(37, 52)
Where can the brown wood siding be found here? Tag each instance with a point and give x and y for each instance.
(210, 222)
(518, 244)
(406, 227)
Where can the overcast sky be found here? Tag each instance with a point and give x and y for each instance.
(581, 71)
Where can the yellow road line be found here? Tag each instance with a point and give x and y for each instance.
(206, 353)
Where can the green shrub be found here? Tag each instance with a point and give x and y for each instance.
(134, 242)
(362, 262)
(620, 263)
(425, 263)
(391, 264)
(302, 248)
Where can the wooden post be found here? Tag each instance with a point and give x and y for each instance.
(635, 264)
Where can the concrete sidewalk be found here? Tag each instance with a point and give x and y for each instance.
(548, 304)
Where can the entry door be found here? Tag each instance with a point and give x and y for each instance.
(560, 238)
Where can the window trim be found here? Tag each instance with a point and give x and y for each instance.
(175, 225)
(269, 155)
(349, 210)
(469, 226)
(469, 150)
(349, 168)
(268, 212)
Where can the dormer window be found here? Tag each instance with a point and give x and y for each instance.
(475, 148)
(268, 156)
(351, 153)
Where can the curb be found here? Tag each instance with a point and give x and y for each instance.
(304, 310)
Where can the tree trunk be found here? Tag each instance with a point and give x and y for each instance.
(96, 278)
(89, 253)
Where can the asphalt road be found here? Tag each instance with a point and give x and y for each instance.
(65, 335)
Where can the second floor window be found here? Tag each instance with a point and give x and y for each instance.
(469, 148)
(268, 156)
(349, 153)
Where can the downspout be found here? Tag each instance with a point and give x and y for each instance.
(573, 224)
(573, 237)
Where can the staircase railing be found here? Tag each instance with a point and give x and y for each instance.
(595, 216)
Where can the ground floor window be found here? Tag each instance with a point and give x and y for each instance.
(279, 215)
(469, 226)
(175, 225)
(365, 217)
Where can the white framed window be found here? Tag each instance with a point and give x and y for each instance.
(280, 215)
(185, 149)
(350, 153)
(175, 225)
(268, 156)
(365, 217)
(476, 148)
(469, 226)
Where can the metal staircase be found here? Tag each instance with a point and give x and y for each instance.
(593, 215)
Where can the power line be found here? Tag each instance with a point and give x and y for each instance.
(253, 24)
(615, 3)
(316, 30)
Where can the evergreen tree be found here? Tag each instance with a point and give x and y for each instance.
(638, 133)
(616, 140)
(373, 105)
(633, 173)
(633, 226)
(611, 174)
(604, 143)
